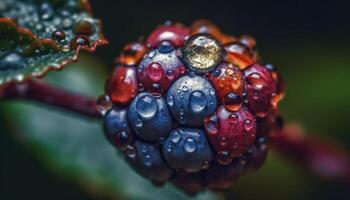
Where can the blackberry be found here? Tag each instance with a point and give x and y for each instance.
(192, 106)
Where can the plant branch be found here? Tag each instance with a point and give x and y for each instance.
(43, 93)
(319, 157)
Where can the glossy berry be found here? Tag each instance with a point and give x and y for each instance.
(159, 69)
(191, 98)
(175, 34)
(117, 129)
(132, 53)
(149, 117)
(260, 88)
(228, 82)
(191, 106)
(187, 150)
(230, 133)
(146, 159)
(122, 86)
(239, 54)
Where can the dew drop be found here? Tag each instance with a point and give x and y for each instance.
(233, 119)
(175, 138)
(205, 164)
(147, 107)
(104, 104)
(198, 101)
(148, 160)
(224, 157)
(170, 101)
(248, 125)
(190, 145)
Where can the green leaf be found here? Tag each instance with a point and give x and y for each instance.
(76, 148)
(37, 37)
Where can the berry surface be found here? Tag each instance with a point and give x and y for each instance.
(192, 106)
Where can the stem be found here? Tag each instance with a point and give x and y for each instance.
(319, 157)
(41, 92)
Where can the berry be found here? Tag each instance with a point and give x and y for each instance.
(257, 153)
(117, 129)
(220, 177)
(229, 83)
(149, 117)
(187, 150)
(239, 54)
(191, 106)
(261, 88)
(146, 159)
(191, 183)
(202, 52)
(191, 98)
(158, 70)
(122, 86)
(230, 133)
(175, 34)
(132, 53)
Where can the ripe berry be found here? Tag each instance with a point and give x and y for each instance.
(239, 54)
(261, 88)
(122, 86)
(229, 83)
(187, 150)
(191, 98)
(230, 133)
(149, 117)
(193, 107)
(117, 129)
(158, 70)
(146, 159)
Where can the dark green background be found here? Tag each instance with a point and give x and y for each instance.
(308, 41)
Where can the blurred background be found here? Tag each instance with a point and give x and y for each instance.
(307, 40)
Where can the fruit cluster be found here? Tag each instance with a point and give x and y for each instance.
(192, 105)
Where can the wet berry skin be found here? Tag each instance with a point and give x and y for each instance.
(228, 81)
(122, 86)
(187, 150)
(260, 89)
(117, 129)
(191, 98)
(175, 34)
(149, 117)
(192, 106)
(159, 69)
(230, 133)
(146, 159)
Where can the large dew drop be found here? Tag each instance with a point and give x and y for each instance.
(147, 107)
(198, 101)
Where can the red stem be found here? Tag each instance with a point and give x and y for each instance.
(319, 157)
(41, 92)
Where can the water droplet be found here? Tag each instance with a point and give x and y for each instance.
(198, 101)
(58, 35)
(205, 164)
(12, 61)
(170, 101)
(148, 160)
(154, 71)
(104, 104)
(169, 148)
(224, 157)
(165, 47)
(175, 138)
(130, 152)
(144, 149)
(147, 107)
(80, 40)
(233, 119)
(223, 141)
(138, 123)
(248, 125)
(83, 27)
(184, 88)
(190, 145)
